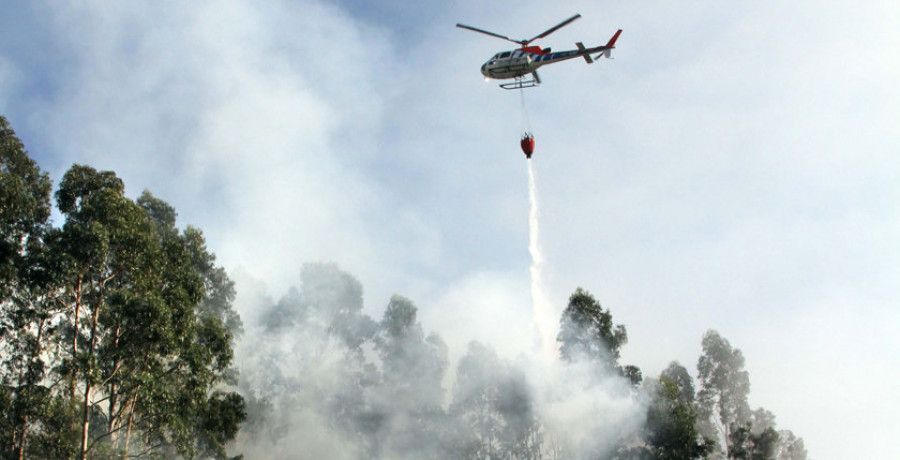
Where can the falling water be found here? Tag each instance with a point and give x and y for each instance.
(544, 317)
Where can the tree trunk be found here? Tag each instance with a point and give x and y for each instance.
(130, 418)
(86, 419)
(88, 384)
(28, 379)
(22, 434)
(113, 395)
(74, 371)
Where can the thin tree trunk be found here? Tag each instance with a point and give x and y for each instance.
(22, 434)
(113, 395)
(88, 387)
(86, 419)
(27, 377)
(111, 426)
(130, 418)
(74, 376)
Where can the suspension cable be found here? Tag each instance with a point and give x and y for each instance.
(526, 122)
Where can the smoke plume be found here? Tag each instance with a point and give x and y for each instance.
(324, 380)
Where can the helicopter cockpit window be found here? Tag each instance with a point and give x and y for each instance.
(505, 54)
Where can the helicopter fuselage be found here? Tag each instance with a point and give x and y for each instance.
(523, 61)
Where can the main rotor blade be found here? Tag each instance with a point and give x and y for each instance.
(553, 29)
(475, 29)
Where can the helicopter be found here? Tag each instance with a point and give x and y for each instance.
(521, 64)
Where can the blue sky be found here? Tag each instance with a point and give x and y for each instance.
(734, 167)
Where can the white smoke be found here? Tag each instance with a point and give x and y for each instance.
(323, 379)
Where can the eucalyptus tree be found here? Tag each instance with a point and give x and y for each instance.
(587, 332)
(171, 347)
(748, 443)
(682, 379)
(24, 208)
(315, 361)
(109, 258)
(671, 423)
(475, 397)
(494, 406)
(27, 308)
(141, 343)
(412, 369)
(724, 386)
(670, 430)
(790, 446)
(113, 324)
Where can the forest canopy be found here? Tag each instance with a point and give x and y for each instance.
(117, 328)
(119, 338)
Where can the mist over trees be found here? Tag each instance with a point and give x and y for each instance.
(335, 381)
(118, 338)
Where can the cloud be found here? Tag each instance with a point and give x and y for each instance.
(255, 124)
(10, 77)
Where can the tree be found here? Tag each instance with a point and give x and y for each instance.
(413, 367)
(186, 350)
(474, 397)
(113, 324)
(748, 442)
(758, 439)
(671, 432)
(586, 332)
(333, 300)
(318, 342)
(24, 208)
(672, 417)
(494, 405)
(724, 386)
(108, 251)
(27, 307)
(790, 447)
(522, 433)
(679, 375)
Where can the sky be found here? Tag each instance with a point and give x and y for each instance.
(734, 167)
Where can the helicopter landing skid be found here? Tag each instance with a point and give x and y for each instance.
(523, 82)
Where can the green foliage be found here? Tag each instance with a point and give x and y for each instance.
(671, 433)
(26, 290)
(724, 386)
(116, 328)
(116, 335)
(413, 365)
(495, 403)
(790, 447)
(745, 443)
(380, 394)
(678, 374)
(219, 421)
(24, 208)
(586, 332)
